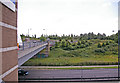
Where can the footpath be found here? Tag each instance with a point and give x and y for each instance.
(41, 67)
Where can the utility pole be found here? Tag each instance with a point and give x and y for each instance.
(29, 31)
(118, 53)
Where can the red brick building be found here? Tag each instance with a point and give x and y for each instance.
(8, 40)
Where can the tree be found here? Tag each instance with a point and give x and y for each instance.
(99, 45)
(68, 43)
(82, 42)
(107, 43)
(103, 44)
(56, 44)
(72, 35)
(60, 39)
(42, 38)
(71, 40)
(35, 35)
(78, 43)
(63, 43)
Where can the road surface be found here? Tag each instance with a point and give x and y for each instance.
(48, 73)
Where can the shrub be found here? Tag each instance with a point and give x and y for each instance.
(99, 50)
(63, 43)
(99, 45)
(103, 44)
(51, 48)
(114, 44)
(78, 43)
(82, 42)
(71, 40)
(68, 55)
(69, 48)
(74, 44)
(56, 44)
(116, 53)
(82, 46)
(107, 43)
(90, 43)
(86, 45)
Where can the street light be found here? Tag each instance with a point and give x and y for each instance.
(45, 32)
(118, 51)
(29, 30)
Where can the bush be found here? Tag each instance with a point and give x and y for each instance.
(74, 44)
(78, 43)
(99, 45)
(90, 43)
(68, 55)
(86, 45)
(69, 48)
(114, 44)
(51, 48)
(63, 43)
(82, 42)
(107, 43)
(103, 44)
(56, 44)
(82, 46)
(116, 53)
(100, 50)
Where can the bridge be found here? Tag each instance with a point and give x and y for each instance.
(28, 49)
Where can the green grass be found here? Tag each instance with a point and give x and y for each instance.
(78, 68)
(71, 61)
(78, 57)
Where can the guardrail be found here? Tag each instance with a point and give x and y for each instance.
(26, 45)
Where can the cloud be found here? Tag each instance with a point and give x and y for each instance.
(66, 16)
(106, 4)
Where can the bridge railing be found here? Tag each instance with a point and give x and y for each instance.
(26, 45)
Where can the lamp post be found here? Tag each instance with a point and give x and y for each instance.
(29, 31)
(118, 51)
(45, 33)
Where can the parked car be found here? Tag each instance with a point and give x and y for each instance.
(22, 72)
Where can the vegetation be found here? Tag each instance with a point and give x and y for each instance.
(86, 49)
(23, 37)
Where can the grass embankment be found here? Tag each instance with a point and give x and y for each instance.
(82, 68)
(106, 55)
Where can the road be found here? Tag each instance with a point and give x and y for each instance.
(71, 73)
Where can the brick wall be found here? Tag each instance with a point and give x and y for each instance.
(8, 44)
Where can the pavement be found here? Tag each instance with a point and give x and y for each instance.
(38, 67)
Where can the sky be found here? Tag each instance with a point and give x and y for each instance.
(67, 16)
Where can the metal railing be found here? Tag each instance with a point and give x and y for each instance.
(26, 45)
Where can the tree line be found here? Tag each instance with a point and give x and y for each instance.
(85, 36)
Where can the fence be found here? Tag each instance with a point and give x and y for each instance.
(26, 45)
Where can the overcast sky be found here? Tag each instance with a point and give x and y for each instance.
(67, 16)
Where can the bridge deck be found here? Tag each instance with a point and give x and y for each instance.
(22, 53)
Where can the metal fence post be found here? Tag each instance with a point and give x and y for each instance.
(23, 45)
(37, 43)
(29, 44)
(118, 54)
